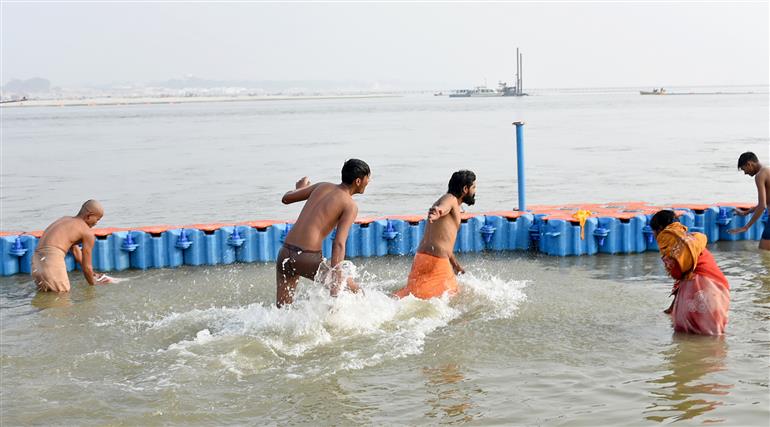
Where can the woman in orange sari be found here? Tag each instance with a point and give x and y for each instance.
(701, 292)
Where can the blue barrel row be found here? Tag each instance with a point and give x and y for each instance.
(172, 248)
(140, 250)
(623, 236)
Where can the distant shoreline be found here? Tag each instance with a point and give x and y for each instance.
(148, 100)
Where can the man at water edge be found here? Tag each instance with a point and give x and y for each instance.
(328, 206)
(434, 267)
(48, 268)
(749, 164)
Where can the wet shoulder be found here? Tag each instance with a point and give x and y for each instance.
(338, 201)
(339, 195)
(322, 189)
(446, 198)
(330, 196)
(61, 224)
(64, 232)
(79, 228)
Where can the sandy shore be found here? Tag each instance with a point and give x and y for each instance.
(174, 100)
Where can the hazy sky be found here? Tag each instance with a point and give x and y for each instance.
(439, 44)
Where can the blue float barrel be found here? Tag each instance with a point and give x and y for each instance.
(25, 262)
(10, 262)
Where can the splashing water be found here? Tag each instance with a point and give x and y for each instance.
(320, 334)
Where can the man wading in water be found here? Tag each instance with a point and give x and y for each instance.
(48, 267)
(328, 206)
(434, 267)
(749, 164)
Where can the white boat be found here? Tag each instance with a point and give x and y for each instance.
(462, 93)
(503, 88)
(478, 91)
(482, 91)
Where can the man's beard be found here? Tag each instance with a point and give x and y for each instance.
(469, 200)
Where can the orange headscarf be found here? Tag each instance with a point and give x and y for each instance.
(682, 247)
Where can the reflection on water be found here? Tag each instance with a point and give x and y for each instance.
(448, 399)
(44, 300)
(683, 394)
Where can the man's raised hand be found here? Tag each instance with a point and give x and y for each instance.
(434, 213)
(302, 183)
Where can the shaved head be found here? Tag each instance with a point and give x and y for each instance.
(91, 207)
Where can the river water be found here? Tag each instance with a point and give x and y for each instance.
(531, 339)
(193, 163)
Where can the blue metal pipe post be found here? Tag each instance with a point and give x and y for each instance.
(520, 163)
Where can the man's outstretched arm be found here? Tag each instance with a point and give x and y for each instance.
(98, 278)
(442, 207)
(341, 236)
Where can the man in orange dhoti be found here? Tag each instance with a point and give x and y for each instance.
(701, 292)
(430, 277)
(434, 267)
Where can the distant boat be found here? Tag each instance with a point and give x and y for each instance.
(506, 90)
(503, 88)
(477, 92)
(483, 91)
(660, 91)
(462, 93)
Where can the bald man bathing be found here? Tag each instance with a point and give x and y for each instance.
(48, 268)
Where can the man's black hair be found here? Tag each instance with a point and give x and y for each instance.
(662, 219)
(747, 157)
(353, 169)
(459, 180)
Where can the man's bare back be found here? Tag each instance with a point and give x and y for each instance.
(66, 232)
(763, 182)
(327, 206)
(322, 212)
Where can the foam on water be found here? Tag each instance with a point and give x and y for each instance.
(494, 297)
(320, 334)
